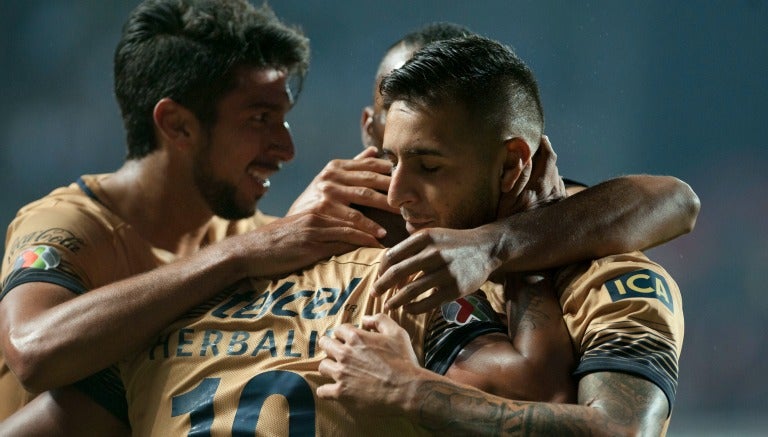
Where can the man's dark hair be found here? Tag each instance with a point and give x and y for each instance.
(432, 32)
(483, 76)
(420, 37)
(188, 50)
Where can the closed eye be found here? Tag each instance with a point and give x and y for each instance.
(429, 164)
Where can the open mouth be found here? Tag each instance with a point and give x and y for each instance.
(260, 173)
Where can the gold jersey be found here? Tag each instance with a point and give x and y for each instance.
(71, 238)
(624, 314)
(246, 363)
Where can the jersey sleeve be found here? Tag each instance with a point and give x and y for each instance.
(57, 243)
(625, 315)
(454, 326)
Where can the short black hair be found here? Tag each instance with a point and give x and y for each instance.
(484, 76)
(187, 50)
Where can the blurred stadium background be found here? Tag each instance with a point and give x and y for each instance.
(657, 87)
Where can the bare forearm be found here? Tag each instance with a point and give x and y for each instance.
(74, 338)
(444, 407)
(65, 412)
(620, 215)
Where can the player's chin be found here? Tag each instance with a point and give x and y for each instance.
(237, 210)
(413, 227)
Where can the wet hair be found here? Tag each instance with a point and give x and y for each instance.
(485, 77)
(188, 50)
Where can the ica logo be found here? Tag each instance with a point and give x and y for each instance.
(640, 283)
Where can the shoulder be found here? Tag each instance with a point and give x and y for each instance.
(363, 256)
(621, 289)
(629, 269)
(65, 228)
(362, 263)
(66, 217)
(222, 227)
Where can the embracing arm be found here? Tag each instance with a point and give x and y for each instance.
(532, 361)
(609, 404)
(620, 215)
(377, 370)
(51, 337)
(624, 214)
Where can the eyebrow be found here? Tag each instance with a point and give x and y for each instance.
(413, 151)
(266, 105)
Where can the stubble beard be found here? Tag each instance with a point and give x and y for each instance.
(219, 195)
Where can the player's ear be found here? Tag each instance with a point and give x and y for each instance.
(517, 159)
(366, 127)
(174, 123)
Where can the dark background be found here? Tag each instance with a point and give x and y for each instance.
(657, 87)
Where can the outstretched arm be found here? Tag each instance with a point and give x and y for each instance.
(620, 215)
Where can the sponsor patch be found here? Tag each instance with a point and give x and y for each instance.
(467, 309)
(640, 283)
(58, 236)
(39, 257)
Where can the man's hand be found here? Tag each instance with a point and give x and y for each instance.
(363, 180)
(538, 185)
(373, 367)
(454, 264)
(296, 241)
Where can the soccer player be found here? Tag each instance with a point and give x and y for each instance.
(469, 107)
(95, 269)
(644, 211)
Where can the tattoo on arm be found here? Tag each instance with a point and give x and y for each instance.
(627, 400)
(526, 310)
(609, 403)
(459, 411)
(462, 407)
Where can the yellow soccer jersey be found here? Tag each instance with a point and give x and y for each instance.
(248, 360)
(71, 238)
(624, 314)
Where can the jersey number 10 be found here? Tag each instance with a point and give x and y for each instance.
(198, 402)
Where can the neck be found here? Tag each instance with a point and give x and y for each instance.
(159, 202)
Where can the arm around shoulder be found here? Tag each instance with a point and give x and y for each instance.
(624, 214)
(672, 205)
